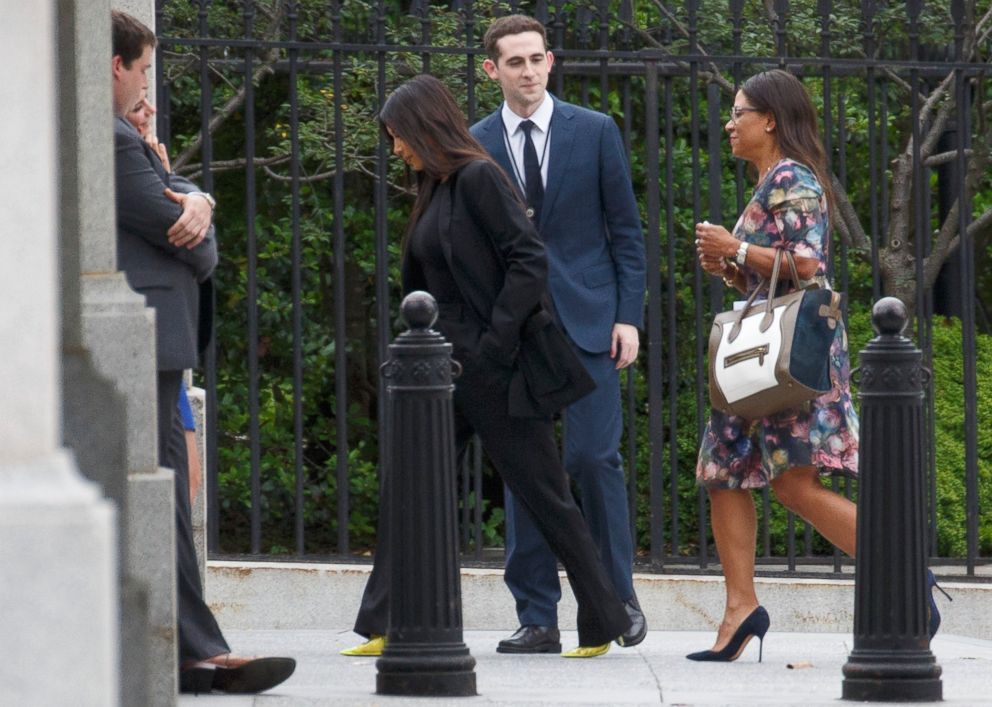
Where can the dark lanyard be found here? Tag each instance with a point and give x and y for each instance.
(513, 162)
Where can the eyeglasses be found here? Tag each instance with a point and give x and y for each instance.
(737, 111)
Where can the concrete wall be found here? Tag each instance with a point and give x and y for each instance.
(287, 595)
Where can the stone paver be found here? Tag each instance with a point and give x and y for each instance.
(653, 673)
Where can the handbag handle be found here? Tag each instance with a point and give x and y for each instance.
(772, 285)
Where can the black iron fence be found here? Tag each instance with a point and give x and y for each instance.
(270, 105)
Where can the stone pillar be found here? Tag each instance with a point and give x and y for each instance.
(118, 331)
(94, 415)
(198, 402)
(58, 584)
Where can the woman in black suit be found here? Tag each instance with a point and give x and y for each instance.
(470, 244)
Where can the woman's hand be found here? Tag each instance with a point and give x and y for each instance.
(159, 150)
(714, 246)
(715, 242)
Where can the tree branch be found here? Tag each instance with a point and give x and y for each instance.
(945, 157)
(309, 179)
(236, 101)
(193, 171)
(711, 76)
(221, 116)
(847, 223)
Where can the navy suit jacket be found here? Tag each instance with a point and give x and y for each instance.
(175, 281)
(590, 224)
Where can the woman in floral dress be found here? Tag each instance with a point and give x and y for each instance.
(773, 127)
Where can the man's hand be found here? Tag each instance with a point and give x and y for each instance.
(625, 343)
(193, 224)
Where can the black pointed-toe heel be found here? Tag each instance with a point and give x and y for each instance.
(755, 625)
(933, 615)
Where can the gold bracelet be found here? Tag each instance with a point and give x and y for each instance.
(730, 281)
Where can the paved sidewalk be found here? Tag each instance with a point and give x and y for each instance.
(653, 673)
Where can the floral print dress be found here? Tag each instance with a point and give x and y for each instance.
(788, 210)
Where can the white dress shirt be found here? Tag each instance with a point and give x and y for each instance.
(514, 138)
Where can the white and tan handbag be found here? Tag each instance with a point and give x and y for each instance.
(773, 354)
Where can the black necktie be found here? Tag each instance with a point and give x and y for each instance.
(532, 174)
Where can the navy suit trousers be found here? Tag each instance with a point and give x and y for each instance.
(592, 459)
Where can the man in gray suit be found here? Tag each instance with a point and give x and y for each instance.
(167, 250)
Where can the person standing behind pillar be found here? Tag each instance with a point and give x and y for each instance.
(166, 248)
(569, 164)
(141, 118)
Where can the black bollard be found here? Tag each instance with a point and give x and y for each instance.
(425, 653)
(891, 659)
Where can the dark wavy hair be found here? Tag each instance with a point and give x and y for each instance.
(783, 95)
(423, 113)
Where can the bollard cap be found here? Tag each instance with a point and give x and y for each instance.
(889, 316)
(419, 310)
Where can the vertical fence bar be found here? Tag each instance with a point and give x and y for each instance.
(652, 246)
(160, 69)
(252, 284)
(966, 254)
(604, 63)
(558, 30)
(671, 360)
(476, 461)
(714, 170)
(340, 312)
(627, 18)
(583, 22)
(296, 284)
(781, 46)
(692, 6)
(737, 23)
(381, 196)
(824, 9)
(842, 178)
(421, 10)
(868, 44)
(465, 476)
(468, 17)
(212, 475)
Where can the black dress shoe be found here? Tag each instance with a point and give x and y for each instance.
(236, 675)
(638, 624)
(532, 639)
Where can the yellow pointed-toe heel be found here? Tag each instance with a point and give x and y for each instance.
(372, 647)
(586, 651)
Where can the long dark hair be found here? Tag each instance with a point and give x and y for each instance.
(423, 113)
(781, 94)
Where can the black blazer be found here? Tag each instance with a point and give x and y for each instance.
(498, 263)
(494, 253)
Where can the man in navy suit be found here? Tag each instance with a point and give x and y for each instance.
(570, 166)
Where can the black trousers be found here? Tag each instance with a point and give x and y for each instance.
(199, 635)
(524, 452)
